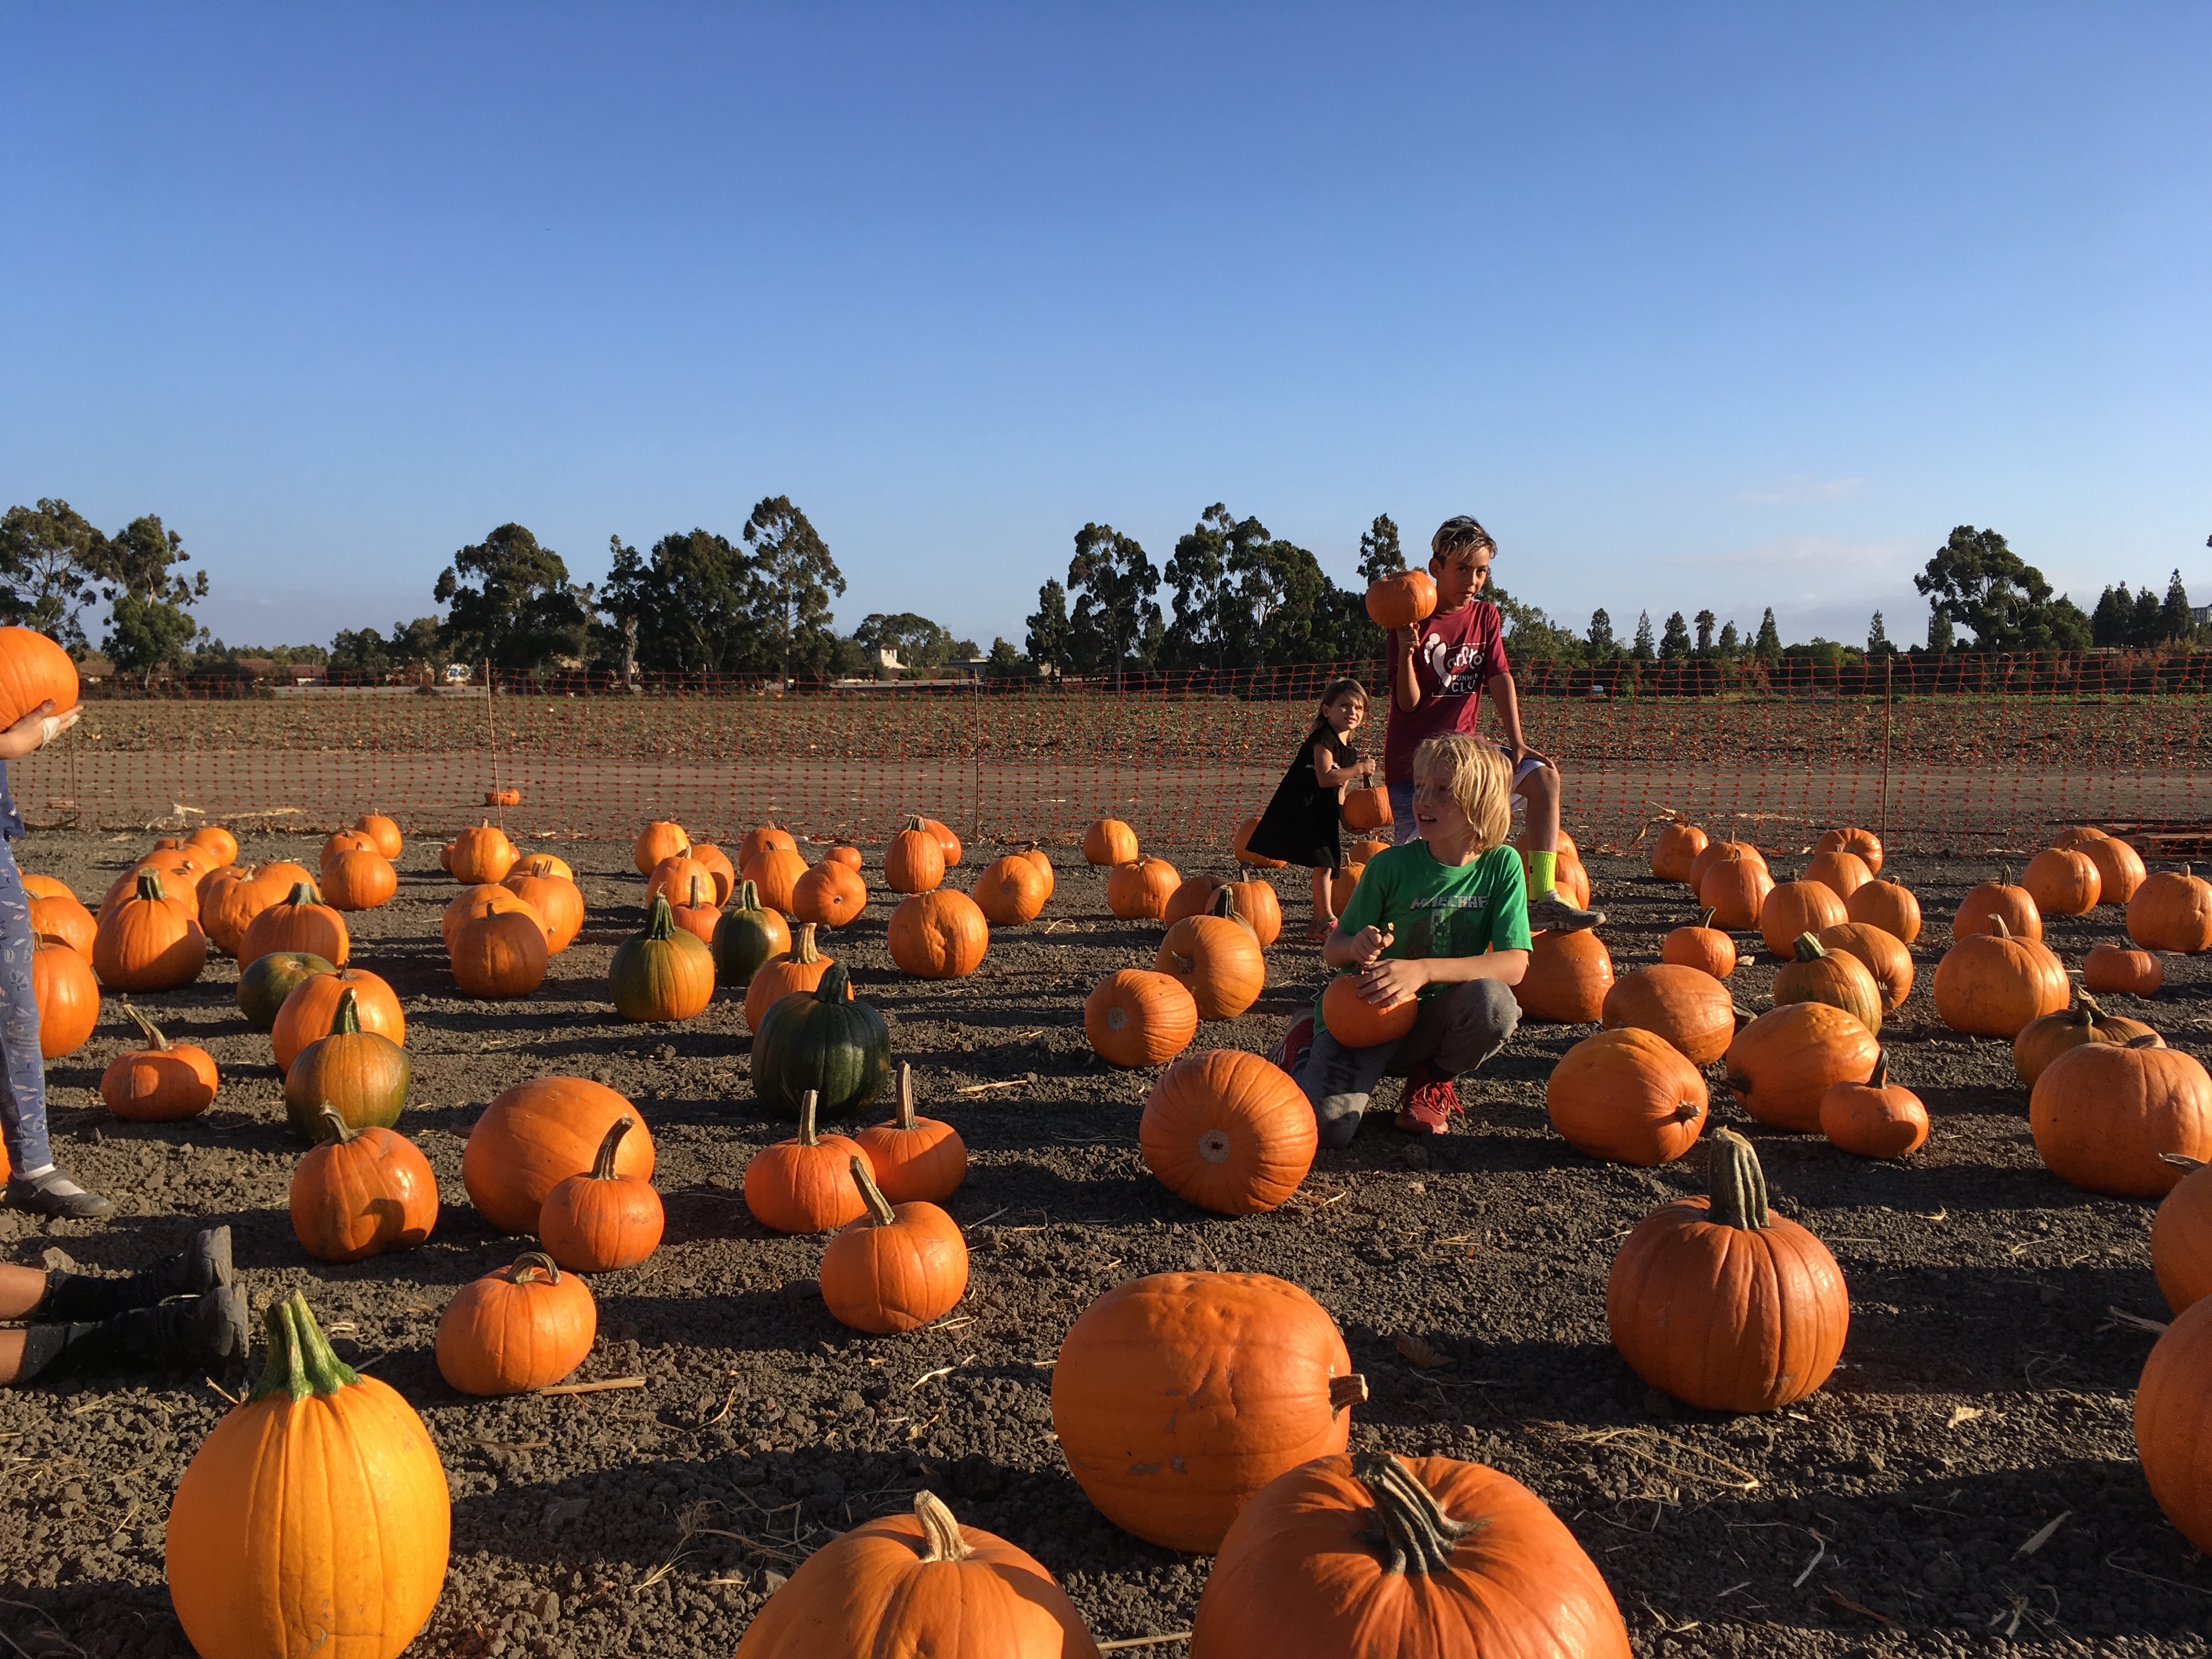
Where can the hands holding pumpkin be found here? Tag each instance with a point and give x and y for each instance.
(36, 730)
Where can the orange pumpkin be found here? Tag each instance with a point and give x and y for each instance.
(64, 918)
(656, 841)
(1885, 905)
(558, 902)
(2061, 881)
(1141, 888)
(829, 894)
(1723, 1303)
(358, 1193)
(535, 1136)
(1400, 599)
(2173, 1424)
(1996, 902)
(800, 969)
(347, 840)
(701, 915)
(1261, 908)
(1879, 953)
(509, 796)
(914, 860)
(2181, 1236)
(1134, 1017)
(2104, 1115)
(1701, 946)
(1733, 890)
(2171, 911)
(2119, 869)
(1838, 979)
(481, 854)
(1110, 841)
(68, 998)
(1675, 848)
(1365, 809)
(913, 1157)
(759, 839)
(1686, 1007)
(309, 1012)
(465, 903)
(1240, 843)
(1228, 1131)
(232, 896)
(1366, 852)
(1013, 890)
(1716, 851)
(938, 935)
(219, 845)
(947, 842)
(1627, 1096)
(362, 879)
(775, 872)
(896, 1269)
(1568, 977)
(1191, 899)
(1876, 1118)
(382, 832)
(1260, 1378)
(805, 1185)
(520, 1328)
(161, 1083)
(602, 1220)
(149, 941)
(718, 866)
(1862, 844)
(1217, 957)
(2113, 968)
(849, 856)
(1795, 908)
(39, 886)
(1992, 984)
(542, 864)
(301, 921)
(2043, 1040)
(1841, 873)
(673, 877)
(1782, 1063)
(499, 953)
(1342, 882)
(1356, 1023)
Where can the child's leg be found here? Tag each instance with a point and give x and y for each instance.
(1324, 903)
(35, 1183)
(1336, 1081)
(1537, 789)
(1459, 1029)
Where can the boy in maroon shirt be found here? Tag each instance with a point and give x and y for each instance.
(1439, 669)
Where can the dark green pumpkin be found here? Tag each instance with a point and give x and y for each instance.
(664, 972)
(823, 1040)
(265, 982)
(363, 1076)
(746, 937)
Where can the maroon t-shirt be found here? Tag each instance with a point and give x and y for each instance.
(1454, 658)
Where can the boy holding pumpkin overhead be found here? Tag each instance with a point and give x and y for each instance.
(1428, 949)
(1439, 669)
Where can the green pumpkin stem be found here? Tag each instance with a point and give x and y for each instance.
(837, 984)
(529, 1261)
(1806, 947)
(603, 1166)
(148, 886)
(880, 1213)
(328, 1117)
(1415, 1533)
(748, 896)
(940, 1530)
(804, 951)
(301, 1362)
(1736, 1184)
(662, 923)
(155, 1040)
(347, 1019)
(304, 892)
(807, 1102)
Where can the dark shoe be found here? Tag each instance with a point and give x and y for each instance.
(1291, 1052)
(201, 1266)
(1552, 914)
(37, 1195)
(188, 1331)
(1430, 1102)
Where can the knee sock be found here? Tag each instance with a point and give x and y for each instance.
(1543, 872)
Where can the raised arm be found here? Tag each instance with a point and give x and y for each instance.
(1405, 683)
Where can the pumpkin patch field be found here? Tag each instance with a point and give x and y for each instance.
(1950, 1466)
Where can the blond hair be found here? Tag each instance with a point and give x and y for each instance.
(1474, 770)
(1459, 535)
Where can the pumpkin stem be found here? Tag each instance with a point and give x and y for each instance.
(804, 951)
(1736, 1184)
(328, 1117)
(149, 885)
(532, 1261)
(663, 922)
(349, 1014)
(1806, 947)
(603, 1166)
(941, 1531)
(154, 1037)
(1416, 1534)
(880, 1213)
(1880, 1077)
(301, 1362)
(836, 985)
(2148, 1040)
(747, 896)
(2088, 1012)
(303, 892)
(2002, 931)
(1706, 917)
(2182, 1160)
(1346, 1391)
(807, 1102)
(906, 1094)
(697, 903)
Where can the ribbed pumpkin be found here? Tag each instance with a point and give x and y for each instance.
(382, 831)
(805, 1184)
(1879, 953)
(919, 1584)
(914, 860)
(364, 1075)
(748, 936)
(719, 867)
(149, 941)
(2103, 1115)
(1782, 1063)
(299, 921)
(1992, 984)
(1378, 1556)
(1862, 844)
(500, 953)
(1190, 899)
(761, 837)
(661, 972)
(1134, 1017)
(1261, 1382)
(1675, 848)
(1216, 958)
(1013, 888)
(2173, 1422)
(2119, 867)
(362, 879)
(310, 1010)
(1840, 979)
(542, 864)
(1261, 908)
(466, 904)
(559, 903)
(897, 1267)
(800, 968)
(2171, 911)
(673, 877)
(523, 1327)
(315, 1517)
(179, 870)
(1700, 945)
(656, 841)
(1885, 905)
(1111, 843)
(2061, 881)
(266, 982)
(2114, 968)
(41, 886)
(1366, 852)
(1716, 851)
(346, 841)
(358, 1193)
(1733, 890)
(67, 995)
(1365, 809)
(1241, 844)
(1568, 977)
(1356, 1023)
(1686, 1007)
(822, 1041)
(481, 854)
(829, 894)
(161, 1083)
(1228, 1131)
(947, 842)
(697, 913)
(2181, 1236)
(775, 870)
(1627, 1096)
(1342, 882)
(64, 918)
(1842, 873)
(231, 897)
(1993, 903)
(1723, 1303)
(913, 1157)
(535, 1136)
(602, 1220)
(2044, 1039)
(1141, 888)
(1794, 908)
(939, 935)
(1876, 1118)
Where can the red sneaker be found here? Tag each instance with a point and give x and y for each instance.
(1431, 1101)
(1291, 1050)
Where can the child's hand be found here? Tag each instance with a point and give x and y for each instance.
(36, 730)
(1368, 944)
(1389, 983)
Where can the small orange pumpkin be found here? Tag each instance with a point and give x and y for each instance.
(301, 921)
(939, 935)
(1356, 1023)
(1228, 1131)
(1134, 1017)
(2115, 968)
(382, 832)
(1111, 843)
(914, 860)
(1995, 901)
(1218, 958)
(309, 1012)
(480, 854)
(2171, 911)
(601, 1220)
(1013, 888)
(1686, 1007)
(1838, 978)
(913, 1157)
(68, 998)
(2119, 867)
(656, 841)
(805, 1185)
(1675, 848)
(759, 839)
(1879, 953)
(1842, 873)
(718, 866)
(800, 968)
(220, 845)
(1365, 809)
(62, 918)
(1701, 946)
(361, 879)
(161, 1083)
(358, 1193)
(775, 872)
(673, 877)
(896, 1268)
(149, 941)
(829, 894)
(1733, 890)
(1141, 888)
(1876, 1118)
(698, 914)
(500, 953)
(558, 901)
(522, 1327)
(849, 856)
(1568, 977)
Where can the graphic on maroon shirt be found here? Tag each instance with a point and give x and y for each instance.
(1455, 657)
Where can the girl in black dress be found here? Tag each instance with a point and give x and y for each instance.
(1299, 826)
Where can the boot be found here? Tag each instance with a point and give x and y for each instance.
(187, 1331)
(53, 1193)
(201, 1266)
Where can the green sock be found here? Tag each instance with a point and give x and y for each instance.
(1543, 872)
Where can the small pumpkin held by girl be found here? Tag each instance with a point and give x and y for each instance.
(1300, 824)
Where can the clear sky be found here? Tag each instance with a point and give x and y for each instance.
(1692, 306)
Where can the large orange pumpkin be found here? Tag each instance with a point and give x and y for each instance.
(1134, 1017)
(1191, 898)
(656, 841)
(1228, 1131)
(1733, 890)
(673, 877)
(1993, 903)
(1795, 908)
(309, 1012)
(518, 1328)
(1258, 902)
(68, 998)
(2061, 881)
(913, 1157)
(1885, 905)
(1260, 1382)
(314, 1516)
(466, 904)
(2044, 1039)
(2105, 1114)
(1568, 977)
(775, 872)
(829, 894)
(2171, 911)
(1700, 945)
(1723, 1303)
(2114, 968)
(361, 879)
(718, 866)
(1141, 888)
(358, 1193)
(1013, 888)
(1217, 957)
(602, 1220)
(64, 918)
(160, 1082)
(914, 860)
(2119, 867)
(1874, 1119)
(559, 903)
(481, 854)
(1715, 851)
(535, 1136)
(232, 896)
(499, 952)
(896, 1269)
(1842, 873)
(149, 941)
(1879, 953)
(1627, 1096)
(1782, 1063)
(1686, 1007)
(1862, 844)
(1110, 841)
(2173, 1422)
(760, 839)
(382, 832)
(1675, 848)
(1992, 984)
(2181, 1236)
(34, 670)
(805, 1184)
(300, 922)
(938, 935)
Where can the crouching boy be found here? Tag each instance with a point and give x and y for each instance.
(1444, 918)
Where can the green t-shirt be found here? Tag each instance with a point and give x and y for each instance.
(1440, 909)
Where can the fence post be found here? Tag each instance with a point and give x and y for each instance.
(1888, 667)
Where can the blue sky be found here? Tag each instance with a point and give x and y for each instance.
(1692, 306)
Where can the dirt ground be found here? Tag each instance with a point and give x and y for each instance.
(1909, 1506)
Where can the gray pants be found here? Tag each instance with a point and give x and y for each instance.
(1455, 1032)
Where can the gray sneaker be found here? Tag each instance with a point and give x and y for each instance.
(46, 1196)
(1553, 915)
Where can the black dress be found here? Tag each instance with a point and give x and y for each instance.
(1299, 826)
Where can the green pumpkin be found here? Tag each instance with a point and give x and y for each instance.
(265, 982)
(742, 940)
(825, 1041)
(363, 1076)
(665, 972)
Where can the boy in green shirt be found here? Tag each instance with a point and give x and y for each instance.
(1444, 919)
